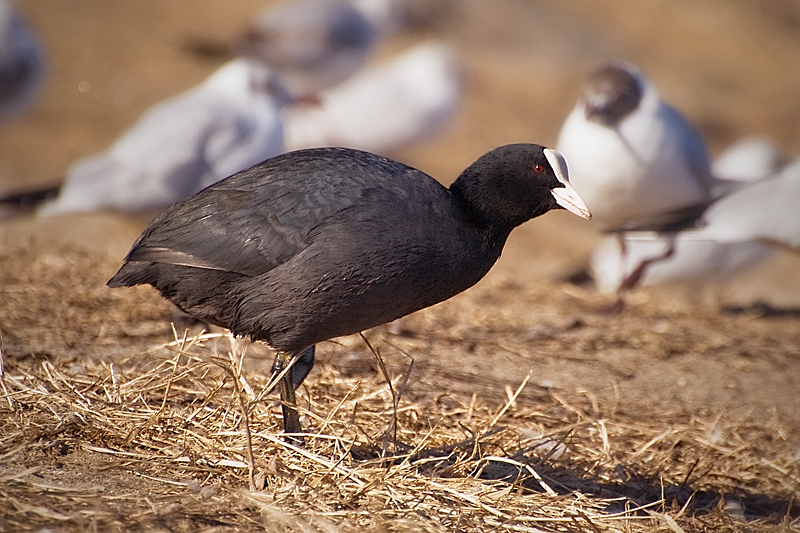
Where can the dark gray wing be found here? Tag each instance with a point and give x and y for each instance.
(261, 217)
(669, 222)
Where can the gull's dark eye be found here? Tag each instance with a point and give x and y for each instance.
(538, 169)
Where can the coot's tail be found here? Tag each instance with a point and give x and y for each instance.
(199, 292)
(133, 273)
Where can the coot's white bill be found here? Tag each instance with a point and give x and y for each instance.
(566, 196)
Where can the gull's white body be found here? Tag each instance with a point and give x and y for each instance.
(179, 146)
(732, 219)
(22, 69)
(386, 16)
(692, 259)
(404, 100)
(654, 162)
(766, 210)
(749, 159)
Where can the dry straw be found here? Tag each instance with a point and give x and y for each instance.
(185, 438)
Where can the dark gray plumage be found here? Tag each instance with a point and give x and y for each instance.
(321, 243)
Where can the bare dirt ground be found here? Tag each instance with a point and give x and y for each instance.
(688, 401)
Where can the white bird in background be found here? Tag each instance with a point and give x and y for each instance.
(404, 100)
(749, 159)
(635, 160)
(695, 259)
(386, 16)
(227, 123)
(391, 16)
(22, 69)
(765, 210)
(691, 260)
(312, 44)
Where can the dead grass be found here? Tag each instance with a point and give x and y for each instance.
(161, 441)
(104, 426)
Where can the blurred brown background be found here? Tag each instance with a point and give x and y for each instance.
(732, 66)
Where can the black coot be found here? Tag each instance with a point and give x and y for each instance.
(326, 242)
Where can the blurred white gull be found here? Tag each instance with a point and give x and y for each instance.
(391, 16)
(749, 159)
(635, 160)
(404, 100)
(21, 63)
(386, 16)
(693, 259)
(312, 44)
(644, 263)
(227, 123)
(765, 210)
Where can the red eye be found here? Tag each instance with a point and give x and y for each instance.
(538, 169)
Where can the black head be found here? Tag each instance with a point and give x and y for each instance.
(611, 93)
(515, 183)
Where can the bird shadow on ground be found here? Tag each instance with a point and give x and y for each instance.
(525, 473)
(762, 310)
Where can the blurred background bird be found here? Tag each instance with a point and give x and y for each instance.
(22, 63)
(694, 260)
(641, 165)
(749, 159)
(406, 99)
(229, 122)
(312, 44)
(636, 159)
(764, 210)
(738, 231)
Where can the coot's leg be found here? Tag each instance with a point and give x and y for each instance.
(303, 366)
(291, 420)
